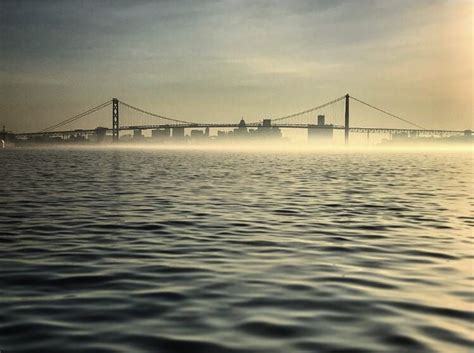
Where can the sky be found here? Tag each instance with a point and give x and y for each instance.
(218, 61)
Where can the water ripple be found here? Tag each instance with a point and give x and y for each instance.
(188, 251)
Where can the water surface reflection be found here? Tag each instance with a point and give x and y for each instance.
(199, 251)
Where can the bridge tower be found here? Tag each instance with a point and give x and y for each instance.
(346, 121)
(115, 120)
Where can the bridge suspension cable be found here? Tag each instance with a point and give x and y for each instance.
(184, 122)
(310, 110)
(156, 115)
(77, 117)
(387, 113)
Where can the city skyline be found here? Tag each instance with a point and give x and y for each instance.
(218, 61)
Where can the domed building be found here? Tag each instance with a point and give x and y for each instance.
(242, 129)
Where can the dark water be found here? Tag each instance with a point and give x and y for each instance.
(179, 251)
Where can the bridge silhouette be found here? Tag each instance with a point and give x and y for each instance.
(285, 122)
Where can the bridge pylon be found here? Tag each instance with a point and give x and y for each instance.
(346, 121)
(115, 120)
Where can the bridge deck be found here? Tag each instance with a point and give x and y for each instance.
(251, 125)
(167, 122)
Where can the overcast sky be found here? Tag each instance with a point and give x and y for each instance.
(220, 60)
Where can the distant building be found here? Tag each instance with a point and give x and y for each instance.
(77, 136)
(177, 133)
(100, 133)
(197, 134)
(126, 138)
(262, 132)
(322, 132)
(266, 131)
(241, 131)
(321, 119)
(161, 135)
(138, 135)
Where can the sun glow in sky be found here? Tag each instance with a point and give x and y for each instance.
(221, 60)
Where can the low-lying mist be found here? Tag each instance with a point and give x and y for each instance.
(281, 146)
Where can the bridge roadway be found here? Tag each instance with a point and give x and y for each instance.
(368, 130)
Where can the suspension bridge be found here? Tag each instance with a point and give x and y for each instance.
(138, 119)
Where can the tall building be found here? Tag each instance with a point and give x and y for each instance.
(266, 131)
(100, 133)
(241, 131)
(320, 133)
(177, 133)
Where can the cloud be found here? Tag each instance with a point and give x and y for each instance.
(200, 50)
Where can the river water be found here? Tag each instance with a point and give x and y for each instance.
(128, 250)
